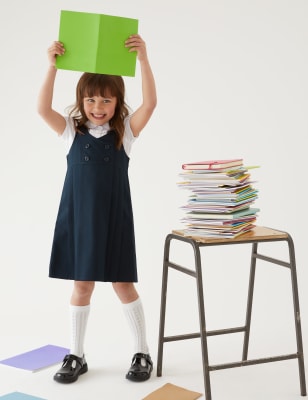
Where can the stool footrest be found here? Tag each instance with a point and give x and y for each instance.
(208, 333)
(272, 260)
(245, 363)
(180, 268)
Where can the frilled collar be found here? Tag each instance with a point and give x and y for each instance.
(98, 128)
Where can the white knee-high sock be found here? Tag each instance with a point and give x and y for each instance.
(135, 317)
(79, 319)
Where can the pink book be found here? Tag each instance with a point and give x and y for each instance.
(214, 164)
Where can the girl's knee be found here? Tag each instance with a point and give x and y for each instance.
(123, 287)
(83, 288)
(125, 291)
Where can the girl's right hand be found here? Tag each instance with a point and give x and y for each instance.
(56, 49)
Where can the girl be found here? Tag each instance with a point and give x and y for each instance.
(94, 232)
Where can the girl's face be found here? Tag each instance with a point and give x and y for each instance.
(99, 110)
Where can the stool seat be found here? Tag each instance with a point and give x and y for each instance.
(256, 236)
(258, 233)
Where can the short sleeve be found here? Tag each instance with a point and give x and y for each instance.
(128, 138)
(69, 133)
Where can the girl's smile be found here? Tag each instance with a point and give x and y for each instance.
(98, 109)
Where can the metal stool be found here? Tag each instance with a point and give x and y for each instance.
(256, 236)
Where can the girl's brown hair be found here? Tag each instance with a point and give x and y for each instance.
(90, 85)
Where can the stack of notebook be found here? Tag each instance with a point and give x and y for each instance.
(221, 198)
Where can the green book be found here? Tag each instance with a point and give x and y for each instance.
(96, 43)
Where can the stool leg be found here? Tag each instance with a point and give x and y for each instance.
(297, 318)
(203, 332)
(163, 305)
(249, 300)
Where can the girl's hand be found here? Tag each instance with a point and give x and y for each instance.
(135, 43)
(56, 49)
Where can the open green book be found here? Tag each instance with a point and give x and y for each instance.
(96, 43)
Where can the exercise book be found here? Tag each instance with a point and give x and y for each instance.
(37, 359)
(96, 43)
(172, 392)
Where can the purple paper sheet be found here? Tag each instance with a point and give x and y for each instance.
(41, 357)
(20, 396)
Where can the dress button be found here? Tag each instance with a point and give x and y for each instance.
(86, 158)
(106, 159)
(87, 146)
(107, 146)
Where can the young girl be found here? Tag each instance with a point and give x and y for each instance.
(94, 232)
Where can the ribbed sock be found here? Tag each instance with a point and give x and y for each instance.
(79, 318)
(135, 317)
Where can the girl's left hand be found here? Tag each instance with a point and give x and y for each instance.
(136, 43)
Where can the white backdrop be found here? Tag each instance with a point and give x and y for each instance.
(232, 82)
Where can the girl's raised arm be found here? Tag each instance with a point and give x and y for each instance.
(55, 120)
(142, 115)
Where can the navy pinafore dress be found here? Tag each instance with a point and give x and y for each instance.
(94, 236)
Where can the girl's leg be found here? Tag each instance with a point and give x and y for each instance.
(142, 365)
(79, 311)
(74, 364)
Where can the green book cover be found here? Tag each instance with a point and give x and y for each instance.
(96, 43)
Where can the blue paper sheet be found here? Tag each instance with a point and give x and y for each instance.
(20, 396)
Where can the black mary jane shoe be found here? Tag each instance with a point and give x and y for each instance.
(72, 367)
(141, 368)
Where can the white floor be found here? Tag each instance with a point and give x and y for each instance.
(269, 382)
(108, 363)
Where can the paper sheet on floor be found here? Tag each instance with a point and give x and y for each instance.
(172, 392)
(36, 359)
(20, 396)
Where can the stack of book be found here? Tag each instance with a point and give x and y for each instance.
(221, 199)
